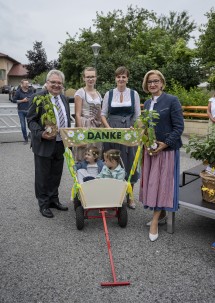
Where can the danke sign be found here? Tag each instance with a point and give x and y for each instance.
(82, 136)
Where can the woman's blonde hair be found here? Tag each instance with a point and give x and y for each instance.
(151, 72)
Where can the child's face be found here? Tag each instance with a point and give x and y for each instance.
(110, 164)
(89, 157)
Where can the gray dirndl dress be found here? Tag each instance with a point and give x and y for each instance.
(122, 117)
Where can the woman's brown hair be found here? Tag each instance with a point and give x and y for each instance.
(121, 70)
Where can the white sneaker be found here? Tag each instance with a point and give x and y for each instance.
(160, 221)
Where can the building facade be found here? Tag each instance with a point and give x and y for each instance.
(11, 71)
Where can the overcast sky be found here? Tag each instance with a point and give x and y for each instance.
(23, 22)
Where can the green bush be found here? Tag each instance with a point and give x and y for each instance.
(195, 96)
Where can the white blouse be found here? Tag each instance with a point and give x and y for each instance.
(126, 101)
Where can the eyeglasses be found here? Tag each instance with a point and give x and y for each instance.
(90, 77)
(156, 81)
(55, 83)
(121, 76)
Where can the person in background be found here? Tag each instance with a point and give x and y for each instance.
(22, 97)
(91, 166)
(211, 109)
(113, 166)
(87, 107)
(121, 107)
(48, 148)
(159, 184)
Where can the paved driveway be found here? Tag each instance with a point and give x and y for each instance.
(48, 260)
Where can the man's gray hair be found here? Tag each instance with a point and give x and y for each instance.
(55, 72)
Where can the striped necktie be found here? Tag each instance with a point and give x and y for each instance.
(60, 113)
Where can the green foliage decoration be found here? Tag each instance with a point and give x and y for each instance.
(43, 103)
(147, 121)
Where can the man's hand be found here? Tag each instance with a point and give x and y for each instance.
(48, 136)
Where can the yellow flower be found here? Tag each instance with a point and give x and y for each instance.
(211, 192)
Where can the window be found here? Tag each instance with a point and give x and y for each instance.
(2, 74)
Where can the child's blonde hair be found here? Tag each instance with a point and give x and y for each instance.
(113, 154)
(94, 151)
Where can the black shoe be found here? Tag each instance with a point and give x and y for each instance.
(46, 212)
(59, 206)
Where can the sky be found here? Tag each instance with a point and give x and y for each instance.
(22, 22)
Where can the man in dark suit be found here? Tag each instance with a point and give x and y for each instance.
(48, 148)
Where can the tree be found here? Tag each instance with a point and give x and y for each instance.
(206, 43)
(37, 60)
(137, 40)
(206, 47)
(40, 79)
(177, 25)
(53, 64)
(181, 65)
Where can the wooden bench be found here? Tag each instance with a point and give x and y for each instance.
(192, 111)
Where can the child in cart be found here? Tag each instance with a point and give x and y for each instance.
(113, 166)
(91, 166)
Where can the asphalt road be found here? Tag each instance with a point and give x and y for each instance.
(48, 260)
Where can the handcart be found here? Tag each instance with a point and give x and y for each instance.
(105, 195)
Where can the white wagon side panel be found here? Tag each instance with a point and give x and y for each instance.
(103, 193)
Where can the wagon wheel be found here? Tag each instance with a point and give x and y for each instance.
(122, 216)
(76, 202)
(79, 217)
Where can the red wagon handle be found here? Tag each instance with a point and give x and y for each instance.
(115, 282)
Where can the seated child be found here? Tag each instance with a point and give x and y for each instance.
(112, 168)
(90, 167)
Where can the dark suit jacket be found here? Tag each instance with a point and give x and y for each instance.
(170, 124)
(40, 146)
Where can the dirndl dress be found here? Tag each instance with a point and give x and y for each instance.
(90, 117)
(159, 183)
(127, 153)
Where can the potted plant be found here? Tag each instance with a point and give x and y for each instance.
(204, 149)
(48, 119)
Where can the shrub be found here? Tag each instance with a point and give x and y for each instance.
(195, 96)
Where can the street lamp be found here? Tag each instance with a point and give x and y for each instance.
(95, 47)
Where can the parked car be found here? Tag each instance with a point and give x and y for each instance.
(6, 89)
(38, 89)
(12, 92)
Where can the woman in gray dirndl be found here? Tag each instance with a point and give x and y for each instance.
(121, 107)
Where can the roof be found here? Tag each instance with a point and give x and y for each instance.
(8, 57)
(18, 70)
